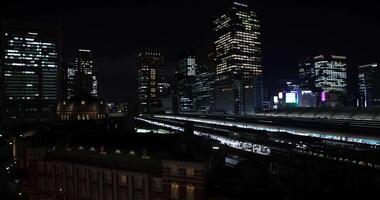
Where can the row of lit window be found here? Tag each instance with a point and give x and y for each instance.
(174, 191)
(82, 116)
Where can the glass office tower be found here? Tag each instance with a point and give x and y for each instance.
(238, 42)
(86, 76)
(149, 75)
(369, 86)
(326, 75)
(203, 90)
(185, 80)
(238, 60)
(29, 71)
(68, 79)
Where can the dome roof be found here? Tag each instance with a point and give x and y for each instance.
(82, 106)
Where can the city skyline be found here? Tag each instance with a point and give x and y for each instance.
(286, 39)
(195, 100)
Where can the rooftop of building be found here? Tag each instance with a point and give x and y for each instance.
(82, 144)
(82, 103)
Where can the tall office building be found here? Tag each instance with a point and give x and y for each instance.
(149, 75)
(369, 85)
(85, 74)
(30, 71)
(203, 90)
(238, 60)
(185, 81)
(331, 73)
(326, 75)
(238, 43)
(306, 74)
(325, 72)
(68, 79)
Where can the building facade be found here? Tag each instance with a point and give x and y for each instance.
(85, 75)
(68, 79)
(326, 75)
(79, 173)
(185, 79)
(149, 75)
(82, 108)
(204, 90)
(238, 60)
(369, 86)
(30, 70)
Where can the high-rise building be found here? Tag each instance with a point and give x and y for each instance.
(68, 79)
(326, 75)
(203, 90)
(185, 81)
(238, 60)
(325, 72)
(369, 85)
(29, 73)
(85, 74)
(150, 74)
(331, 73)
(306, 74)
(238, 43)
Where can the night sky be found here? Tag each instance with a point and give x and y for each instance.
(115, 31)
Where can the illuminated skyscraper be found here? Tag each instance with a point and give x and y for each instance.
(203, 89)
(327, 75)
(238, 43)
(238, 60)
(325, 72)
(86, 76)
(68, 79)
(185, 80)
(150, 74)
(30, 71)
(331, 73)
(369, 85)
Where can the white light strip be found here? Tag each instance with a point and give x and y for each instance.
(271, 128)
(236, 144)
(177, 128)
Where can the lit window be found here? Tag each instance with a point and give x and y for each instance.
(190, 192)
(190, 172)
(123, 179)
(174, 191)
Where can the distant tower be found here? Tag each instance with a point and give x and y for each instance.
(29, 71)
(327, 75)
(239, 87)
(369, 85)
(203, 89)
(68, 79)
(150, 74)
(185, 81)
(85, 74)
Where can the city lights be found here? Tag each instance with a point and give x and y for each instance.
(195, 100)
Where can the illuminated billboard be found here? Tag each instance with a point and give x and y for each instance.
(275, 99)
(280, 95)
(291, 97)
(323, 96)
